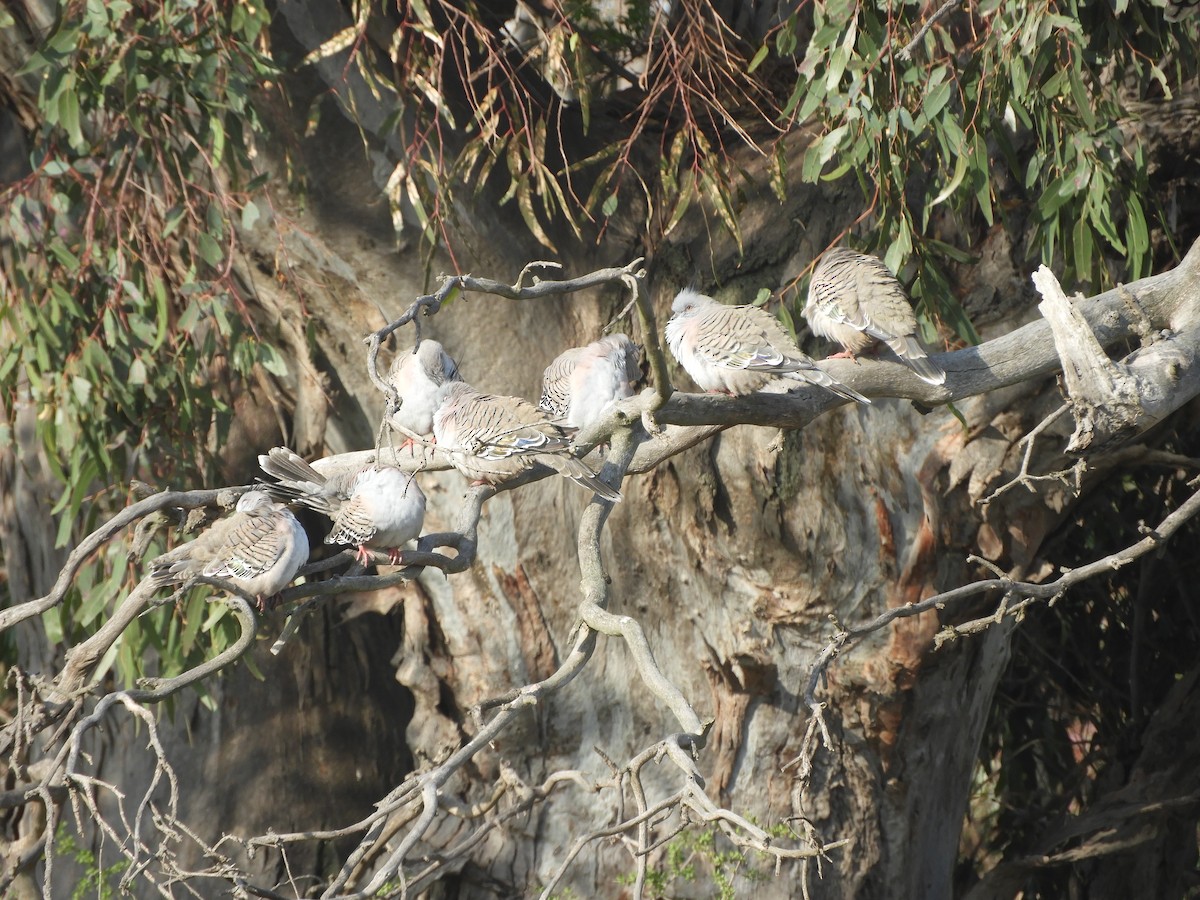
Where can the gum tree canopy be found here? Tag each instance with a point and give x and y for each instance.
(938, 645)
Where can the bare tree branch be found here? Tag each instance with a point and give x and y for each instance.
(1009, 588)
(643, 431)
(225, 497)
(453, 285)
(1114, 401)
(942, 11)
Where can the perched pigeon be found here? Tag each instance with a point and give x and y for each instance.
(855, 300)
(582, 382)
(416, 377)
(490, 438)
(260, 548)
(739, 349)
(375, 506)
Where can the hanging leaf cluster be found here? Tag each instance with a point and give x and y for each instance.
(951, 119)
(122, 326)
(1001, 113)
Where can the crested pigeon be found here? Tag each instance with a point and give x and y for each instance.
(260, 548)
(416, 376)
(490, 438)
(376, 506)
(855, 300)
(584, 381)
(739, 349)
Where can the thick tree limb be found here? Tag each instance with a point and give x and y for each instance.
(1008, 588)
(1115, 401)
(1164, 301)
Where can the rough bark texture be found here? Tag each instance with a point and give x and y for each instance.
(733, 555)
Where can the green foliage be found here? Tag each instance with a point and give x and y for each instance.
(1007, 111)
(1003, 114)
(514, 108)
(120, 321)
(700, 854)
(99, 881)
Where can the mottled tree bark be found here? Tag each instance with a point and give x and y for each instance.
(734, 555)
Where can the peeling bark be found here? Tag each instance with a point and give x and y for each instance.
(733, 548)
(1113, 402)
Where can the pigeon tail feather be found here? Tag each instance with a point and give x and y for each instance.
(823, 379)
(913, 355)
(285, 465)
(577, 471)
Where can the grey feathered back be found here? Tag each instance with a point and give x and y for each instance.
(580, 383)
(260, 547)
(490, 438)
(855, 300)
(418, 376)
(374, 505)
(739, 349)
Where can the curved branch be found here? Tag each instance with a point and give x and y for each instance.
(594, 583)
(225, 497)
(1045, 591)
(154, 690)
(82, 657)
(593, 610)
(452, 285)
(626, 627)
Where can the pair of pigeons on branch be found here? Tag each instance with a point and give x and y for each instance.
(853, 299)
(262, 546)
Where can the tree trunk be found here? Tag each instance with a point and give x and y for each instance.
(733, 555)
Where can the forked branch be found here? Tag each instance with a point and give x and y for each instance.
(1015, 596)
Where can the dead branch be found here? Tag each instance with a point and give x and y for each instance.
(1009, 588)
(1024, 478)
(942, 11)
(388, 838)
(1115, 401)
(453, 285)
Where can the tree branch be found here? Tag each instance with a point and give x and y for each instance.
(225, 497)
(453, 285)
(1114, 401)
(1047, 591)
